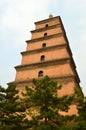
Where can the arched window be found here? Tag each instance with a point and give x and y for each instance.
(46, 25)
(40, 74)
(43, 45)
(45, 34)
(42, 58)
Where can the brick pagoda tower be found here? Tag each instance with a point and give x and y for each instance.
(48, 53)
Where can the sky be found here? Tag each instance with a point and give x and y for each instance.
(17, 19)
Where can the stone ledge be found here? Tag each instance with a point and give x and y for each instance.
(45, 38)
(46, 28)
(47, 20)
(44, 63)
(44, 49)
(54, 77)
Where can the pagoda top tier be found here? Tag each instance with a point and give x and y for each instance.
(46, 20)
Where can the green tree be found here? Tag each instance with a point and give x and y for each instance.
(11, 109)
(44, 105)
(80, 120)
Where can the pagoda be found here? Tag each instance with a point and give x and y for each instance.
(48, 53)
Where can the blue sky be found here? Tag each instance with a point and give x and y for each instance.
(17, 19)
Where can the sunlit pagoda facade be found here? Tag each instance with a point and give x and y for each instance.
(48, 53)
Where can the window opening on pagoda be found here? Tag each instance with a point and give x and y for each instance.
(40, 74)
(42, 58)
(45, 34)
(46, 25)
(43, 45)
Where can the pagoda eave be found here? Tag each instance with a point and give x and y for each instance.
(49, 27)
(47, 20)
(44, 49)
(44, 63)
(46, 37)
(64, 78)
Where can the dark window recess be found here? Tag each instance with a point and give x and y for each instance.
(43, 45)
(40, 74)
(42, 58)
(46, 25)
(45, 34)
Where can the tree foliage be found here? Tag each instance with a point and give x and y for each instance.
(44, 105)
(80, 120)
(11, 110)
(40, 107)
